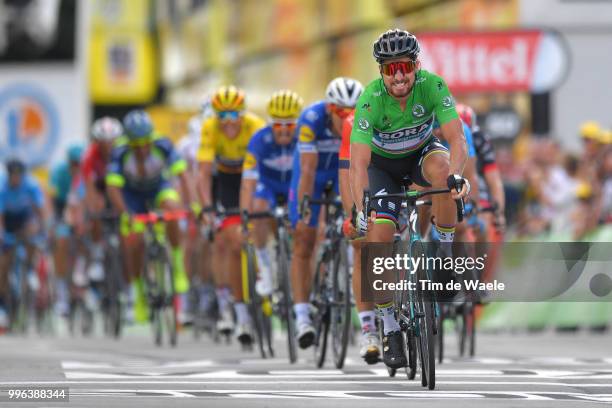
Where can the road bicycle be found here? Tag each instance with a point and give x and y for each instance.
(159, 274)
(331, 286)
(415, 309)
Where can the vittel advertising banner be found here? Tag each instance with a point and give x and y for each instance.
(528, 60)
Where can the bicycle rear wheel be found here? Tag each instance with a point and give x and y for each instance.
(153, 276)
(440, 335)
(113, 310)
(341, 306)
(286, 304)
(321, 318)
(20, 297)
(469, 328)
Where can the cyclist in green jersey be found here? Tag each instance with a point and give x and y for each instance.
(392, 141)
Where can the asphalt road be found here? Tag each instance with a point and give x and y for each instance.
(510, 370)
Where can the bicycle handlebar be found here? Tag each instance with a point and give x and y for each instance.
(413, 196)
(156, 216)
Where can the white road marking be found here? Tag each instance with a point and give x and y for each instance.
(453, 395)
(348, 394)
(157, 381)
(314, 373)
(81, 365)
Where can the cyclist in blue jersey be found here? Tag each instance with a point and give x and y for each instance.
(61, 183)
(138, 180)
(266, 173)
(21, 218)
(315, 164)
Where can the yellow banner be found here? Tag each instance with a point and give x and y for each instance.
(122, 68)
(122, 57)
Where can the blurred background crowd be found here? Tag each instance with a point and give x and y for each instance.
(564, 192)
(537, 72)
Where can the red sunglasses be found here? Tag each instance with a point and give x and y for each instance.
(282, 126)
(341, 111)
(391, 68)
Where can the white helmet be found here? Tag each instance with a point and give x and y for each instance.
(106, 129)
(344, 92)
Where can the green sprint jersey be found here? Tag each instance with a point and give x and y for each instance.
(393, 133)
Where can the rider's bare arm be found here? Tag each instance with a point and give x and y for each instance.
(345, 190)
(116, 198)
(92, 196)
(247, 188)
(186, 191)
(206, 183)
(358, 172)
(471, 174)
(308, 170)
(496, 187)
(453, 133)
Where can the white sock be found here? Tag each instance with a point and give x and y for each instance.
(223, 298)
(184, 303)
(97, 251)
(302, 312)
(263, 258)
(242, 313)
(368, 321)
(385, 312)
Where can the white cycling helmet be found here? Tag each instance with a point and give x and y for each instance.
(106, 129)
(344, 92)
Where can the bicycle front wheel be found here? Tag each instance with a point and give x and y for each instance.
(286, 304)
(341, 306)
(253, 299)
(321, 318)
(424, 308)
(113, 307)
(168, 306)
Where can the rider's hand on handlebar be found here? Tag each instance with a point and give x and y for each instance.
(500, 221)
(349, 230)
(459, 186)
(207, 216)
(196, 209)
(361, 222)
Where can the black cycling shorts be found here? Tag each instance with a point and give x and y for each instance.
(227, 190)
(387, 176)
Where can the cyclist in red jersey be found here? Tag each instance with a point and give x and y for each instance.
(104, 132)
(369, 348)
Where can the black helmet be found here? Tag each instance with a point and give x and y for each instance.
(396, 43)
(15, 165)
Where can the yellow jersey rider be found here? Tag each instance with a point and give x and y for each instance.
(225, 137)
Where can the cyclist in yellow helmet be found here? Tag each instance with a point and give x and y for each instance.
(266, 173)
(590, 133)
(225, 137)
